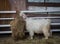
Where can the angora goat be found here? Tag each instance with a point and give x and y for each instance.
(38, 26)
(17, 27)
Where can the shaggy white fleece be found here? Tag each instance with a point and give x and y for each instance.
(38, 26)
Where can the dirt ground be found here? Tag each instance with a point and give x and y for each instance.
(38, 39)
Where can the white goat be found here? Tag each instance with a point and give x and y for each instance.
(38, 26)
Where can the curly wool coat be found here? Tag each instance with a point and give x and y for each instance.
(17, 27)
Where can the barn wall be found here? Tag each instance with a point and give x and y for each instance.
(4, 6)
(7, 5)
(24, 4)
(40, 5)
(21, 4)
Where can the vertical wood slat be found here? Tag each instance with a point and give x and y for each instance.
(5, 5)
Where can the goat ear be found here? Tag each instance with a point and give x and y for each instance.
(24, 16)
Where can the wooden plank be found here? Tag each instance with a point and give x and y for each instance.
(7, 11)
(35, 4)
(42, 15)
(55, 23)
(43, 4)
(2, 32)
(46, 17)
(6, 18)
(27, 11)
(8, 25)
(53, 30)
(30, 11)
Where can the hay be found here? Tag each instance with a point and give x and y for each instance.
(17, 27)
(54, 40)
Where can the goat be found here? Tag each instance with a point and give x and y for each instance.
(37, 26)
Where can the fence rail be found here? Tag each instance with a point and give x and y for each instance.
(2, 32)
(7, 11)
(8, 25)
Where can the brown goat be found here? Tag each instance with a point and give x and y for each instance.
(17, 27)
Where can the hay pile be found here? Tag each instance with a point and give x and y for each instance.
(17, 27)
